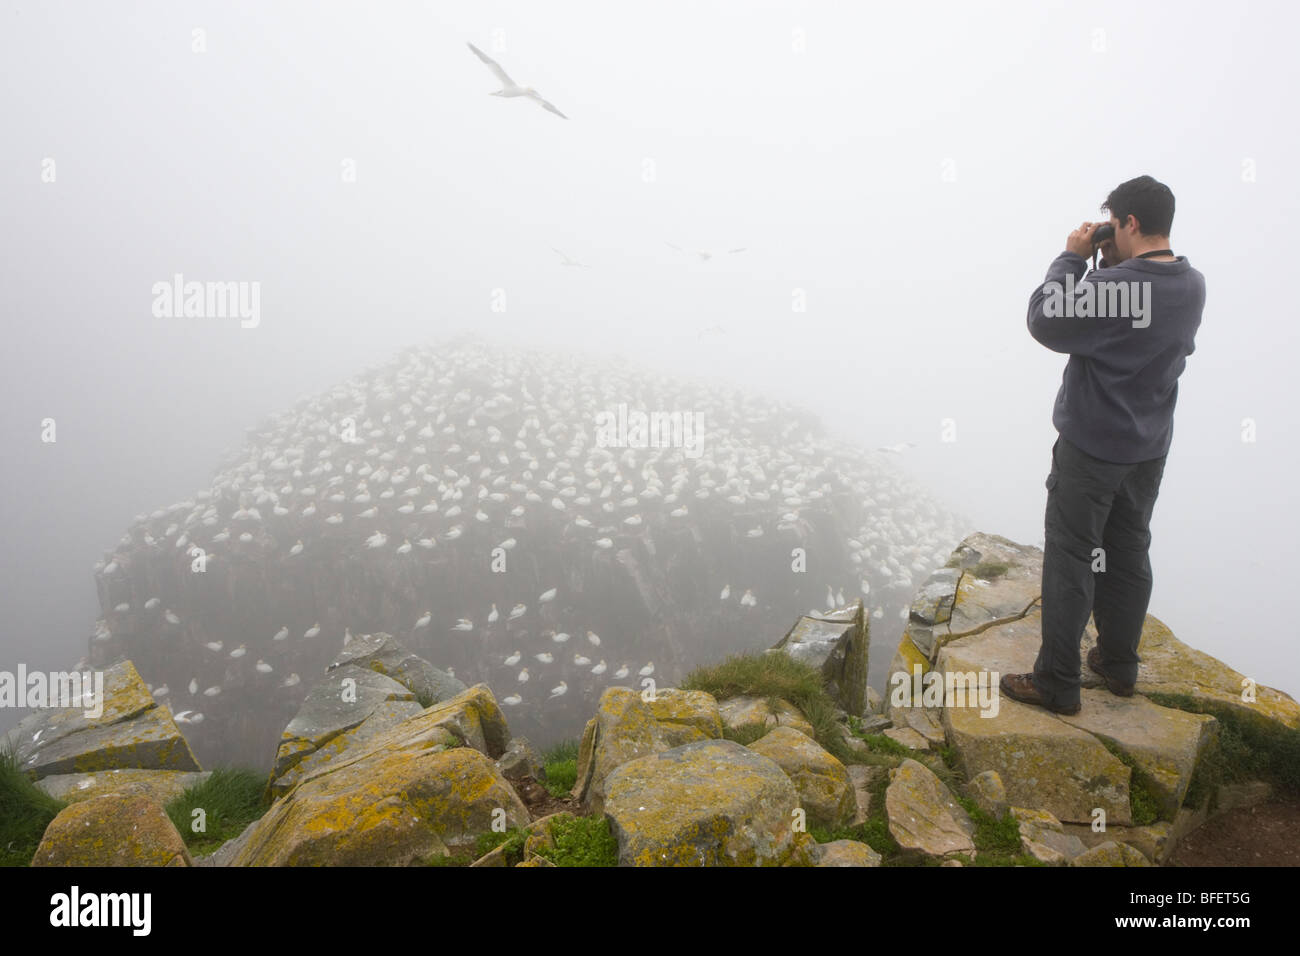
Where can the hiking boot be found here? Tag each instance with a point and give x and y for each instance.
(1021, 687)
(1112, 685)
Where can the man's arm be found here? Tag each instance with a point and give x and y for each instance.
(1051, 321)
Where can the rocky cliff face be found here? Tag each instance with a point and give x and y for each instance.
(500, 514)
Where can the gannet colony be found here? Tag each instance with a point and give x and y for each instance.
(470, 501)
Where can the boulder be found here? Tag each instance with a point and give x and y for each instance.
(825, 790)
(709, 803)
(1043, 838)
(627, 727)
(112, 830)
(131, 731)
(423, 787)
(1111, 853)
(847, 853)
(989, 794)
(520, 761)
(383, 653)
(384, 715)
(742, 712)
(836, 643)
(343, 700)
(923, 815)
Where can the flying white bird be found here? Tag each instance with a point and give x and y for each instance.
(509, 88)
(560, 689)
(566, 261)
(547, 596)
(519, 610)
(296, 549)
(424, 619)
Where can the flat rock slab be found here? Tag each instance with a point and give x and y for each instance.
(836, 643)
(923, 814)
(131, 731)
(741, 712)
(162, 786)
(386, 714)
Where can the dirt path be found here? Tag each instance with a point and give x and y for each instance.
(1267, 834)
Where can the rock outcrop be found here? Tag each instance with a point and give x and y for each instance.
(131, 731)
(112, 830)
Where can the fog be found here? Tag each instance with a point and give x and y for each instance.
(899, 177)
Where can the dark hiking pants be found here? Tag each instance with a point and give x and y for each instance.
(1094, 504)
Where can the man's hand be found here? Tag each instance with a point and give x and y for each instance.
(1080, 241)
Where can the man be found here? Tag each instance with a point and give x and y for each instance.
(1128, 328)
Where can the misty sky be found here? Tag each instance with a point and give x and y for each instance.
(908, 171)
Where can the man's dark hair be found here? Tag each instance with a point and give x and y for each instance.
(1150, 201)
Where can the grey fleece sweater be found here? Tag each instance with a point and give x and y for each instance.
(1117, 395)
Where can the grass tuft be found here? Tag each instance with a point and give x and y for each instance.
(581, 841)
(25, 812)
(231, 799)
(560, 765)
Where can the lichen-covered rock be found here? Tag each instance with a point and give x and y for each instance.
(847, 853)
(825, 790)
(161, 786)
(1043, 760)
(394, 806)
(385, 654)
(709, 803)
(131, 731)
(989, 794)
(923, 815)
(112, 830)
(1043, 837)
(385, 714)
(627, 727)
(740, 713)
(1111, 853)
(836, 643)
(864, 780)
(343, 700)
(417, 789)
(1164, 743)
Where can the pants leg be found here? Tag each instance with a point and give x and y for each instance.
(1122, 591)
(1080, 492)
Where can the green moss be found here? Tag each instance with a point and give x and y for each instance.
(560, 765)
(1144, 805)
(426, 699)
(1244, 749)
(581, 841)
(230, 798)
(514, 840)
(25, 812)
(988, 570)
